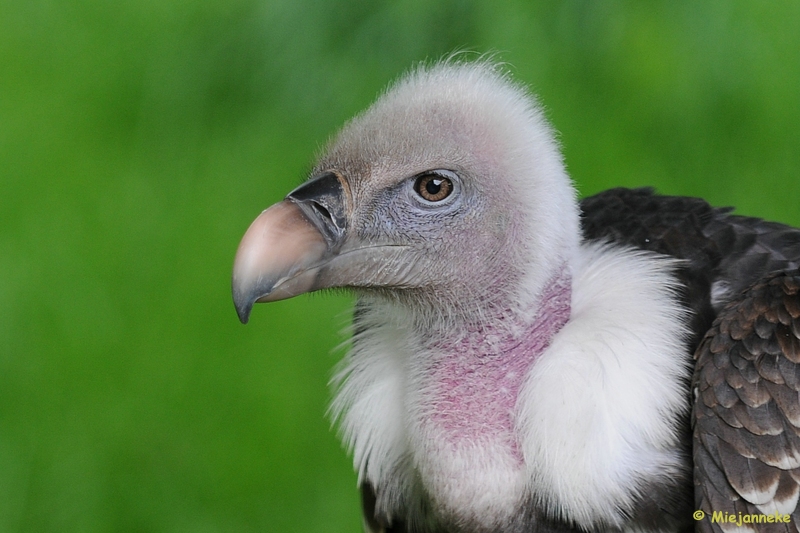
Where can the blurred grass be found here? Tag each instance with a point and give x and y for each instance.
(139, 139)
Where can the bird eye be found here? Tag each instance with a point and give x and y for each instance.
(433, 187)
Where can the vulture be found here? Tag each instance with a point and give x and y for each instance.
(522, 361)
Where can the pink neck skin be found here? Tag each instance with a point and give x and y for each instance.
(477, 381)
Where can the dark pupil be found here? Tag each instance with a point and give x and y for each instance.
(433, 187)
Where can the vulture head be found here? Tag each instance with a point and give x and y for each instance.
(448, 194)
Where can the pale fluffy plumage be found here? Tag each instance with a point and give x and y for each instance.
(599, 411)
(597, 418)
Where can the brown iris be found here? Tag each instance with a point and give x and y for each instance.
(433, 187)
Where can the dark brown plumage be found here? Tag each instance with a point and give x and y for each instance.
(747, 414)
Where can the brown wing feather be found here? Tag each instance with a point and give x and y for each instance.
(747, 411)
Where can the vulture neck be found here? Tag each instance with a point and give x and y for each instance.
(477, 373)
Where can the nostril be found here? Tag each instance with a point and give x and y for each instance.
(319, 208)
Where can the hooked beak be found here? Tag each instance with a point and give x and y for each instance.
(281, 253)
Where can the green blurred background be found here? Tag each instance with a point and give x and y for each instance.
(139, 139)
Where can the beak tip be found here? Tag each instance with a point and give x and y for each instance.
(243, 304)
(244, 314)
